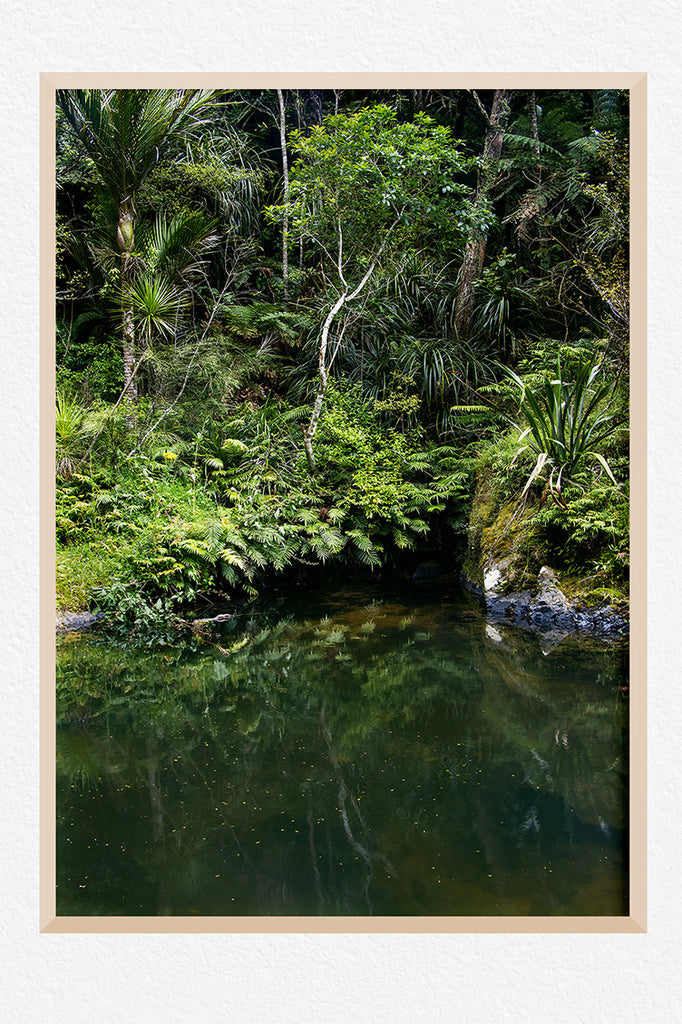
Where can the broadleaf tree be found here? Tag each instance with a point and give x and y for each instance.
(364, 188)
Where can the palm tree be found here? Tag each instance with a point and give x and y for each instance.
(125, 133)
(169, 257)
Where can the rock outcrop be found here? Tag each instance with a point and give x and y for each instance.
(545, 608)
(508, 561)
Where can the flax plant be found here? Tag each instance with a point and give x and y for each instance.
(567, 421)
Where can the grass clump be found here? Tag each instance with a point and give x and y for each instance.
(83, 567)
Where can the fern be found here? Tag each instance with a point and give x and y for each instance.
(402, 540)
(532, 145)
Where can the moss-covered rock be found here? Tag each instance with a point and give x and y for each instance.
(513, 561)
(505, 550)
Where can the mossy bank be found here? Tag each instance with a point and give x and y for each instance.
(548, 564)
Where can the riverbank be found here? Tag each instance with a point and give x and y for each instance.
(544, 610)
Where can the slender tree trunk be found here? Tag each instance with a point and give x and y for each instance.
(474, 253)
(533, 112)
(323, 380)
(126, 241)
(300, 240)
(128, 339)
(285, 171)
(129, 381)
(323, 375)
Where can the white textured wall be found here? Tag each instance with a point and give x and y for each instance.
(330, 978)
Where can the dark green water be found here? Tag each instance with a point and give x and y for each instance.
(365, 751)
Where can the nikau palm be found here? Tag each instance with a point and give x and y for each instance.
(125, 133)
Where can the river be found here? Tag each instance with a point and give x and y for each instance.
(357, 750)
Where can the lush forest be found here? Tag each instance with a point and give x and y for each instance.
(304, 332)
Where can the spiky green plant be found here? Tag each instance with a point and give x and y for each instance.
(567, 421)
(157, 305)
(72, 432)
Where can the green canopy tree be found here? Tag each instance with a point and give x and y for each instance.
(125, 133)
(364, 189)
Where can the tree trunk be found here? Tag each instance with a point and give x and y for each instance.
(285, 172)
(126, 240)
(533, 118)
(129, 382)
(474, 253)
(128, 339)
(323, 380)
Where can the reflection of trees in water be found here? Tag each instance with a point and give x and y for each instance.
(301, 767)
(347, 800)
(567, 731)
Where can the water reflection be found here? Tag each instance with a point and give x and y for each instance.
(348, 752)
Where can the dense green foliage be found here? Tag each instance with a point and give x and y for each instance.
(225, 414)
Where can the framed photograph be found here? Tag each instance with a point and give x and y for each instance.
(343, 502)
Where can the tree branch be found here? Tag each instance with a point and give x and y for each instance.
(480, 106)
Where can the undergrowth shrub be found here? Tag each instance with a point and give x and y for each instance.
(224, 508)
(591, 531)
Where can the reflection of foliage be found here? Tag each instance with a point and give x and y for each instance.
(254, 743)
(572, 747)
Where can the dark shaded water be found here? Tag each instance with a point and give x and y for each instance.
(361, 751)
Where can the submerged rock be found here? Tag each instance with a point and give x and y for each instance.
(427, 571)
(71, 621)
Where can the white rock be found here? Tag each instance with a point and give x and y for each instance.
(492, 578)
